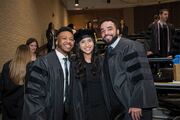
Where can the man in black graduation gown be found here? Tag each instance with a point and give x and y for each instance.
(160, 35)
(132, 93)
(46, 93)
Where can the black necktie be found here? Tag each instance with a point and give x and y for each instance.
(66, 76)
(109, 50)
(164, 26)
(66, 102)
(106, 68)
(114, 102)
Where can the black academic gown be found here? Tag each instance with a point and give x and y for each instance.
(78, 107)
(44, 92)
(12, 96)
(152, 41)
(131, 77)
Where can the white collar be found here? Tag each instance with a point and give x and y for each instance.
(161, 22)
(113, 45)
(60, 55)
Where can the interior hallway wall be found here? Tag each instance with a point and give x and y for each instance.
(81, 17)
(128, 14)
(28, 18)
(137, 18)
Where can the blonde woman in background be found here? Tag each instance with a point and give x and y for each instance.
(12, 84)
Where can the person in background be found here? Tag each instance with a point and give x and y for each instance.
(156, 18)
(51, 37)
(12, 83)
(90, 26)
(161, 36)
(72, 27)
(131, 90)
(88, 87)
(33, 46)
(49, 81)
(123, 29)
(147, 41)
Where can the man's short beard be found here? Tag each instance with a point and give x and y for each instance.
(112, 41)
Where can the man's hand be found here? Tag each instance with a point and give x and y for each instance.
(170, 56)
(149, 53)
(136, 113)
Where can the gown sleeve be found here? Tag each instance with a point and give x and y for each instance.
(35, 93)
(142, 89)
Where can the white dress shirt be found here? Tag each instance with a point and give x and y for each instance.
(113, 45)
(60, 57)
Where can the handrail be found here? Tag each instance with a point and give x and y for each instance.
(160, 59)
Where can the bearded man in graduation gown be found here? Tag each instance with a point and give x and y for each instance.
(131, 90)
(46, 97)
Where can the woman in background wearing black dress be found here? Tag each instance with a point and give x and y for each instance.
(51, 37)
(88, 93)
(12, 84)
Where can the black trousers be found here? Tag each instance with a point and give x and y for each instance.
(67, 115)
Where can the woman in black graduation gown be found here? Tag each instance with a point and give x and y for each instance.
(12, 84)
(88, 93)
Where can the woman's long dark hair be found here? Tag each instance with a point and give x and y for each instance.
(31, 40)
(80, 62)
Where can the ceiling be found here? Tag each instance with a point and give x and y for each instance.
(102, 4)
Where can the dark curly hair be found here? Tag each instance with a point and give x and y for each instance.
(80, 61)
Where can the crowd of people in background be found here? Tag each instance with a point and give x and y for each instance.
(117, 85)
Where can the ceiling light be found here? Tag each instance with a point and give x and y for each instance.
(76, 3)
